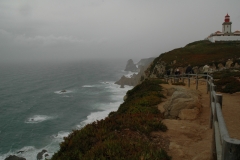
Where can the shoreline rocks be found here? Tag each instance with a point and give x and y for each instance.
(13, 157)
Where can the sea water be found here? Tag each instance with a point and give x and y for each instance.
(40, 103)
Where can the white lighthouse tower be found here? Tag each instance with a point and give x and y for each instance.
(227, 25)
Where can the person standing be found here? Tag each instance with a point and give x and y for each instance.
(189, 70)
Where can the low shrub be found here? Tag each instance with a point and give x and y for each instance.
(226, 73)
(227, 85)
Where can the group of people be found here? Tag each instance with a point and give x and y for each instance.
(189, 70)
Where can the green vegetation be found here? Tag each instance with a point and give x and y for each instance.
(143, 98)
(198, 54)
(226, 73)
(124, 134)
(227, 81)
(227, 85)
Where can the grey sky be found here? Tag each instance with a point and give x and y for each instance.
(80, 29)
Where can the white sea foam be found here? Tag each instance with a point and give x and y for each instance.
(26, 149)
(130, 74)
(38, 119)
(88, 86)
(28, 152)
(60, 135)
(117, 98)
(93, 117)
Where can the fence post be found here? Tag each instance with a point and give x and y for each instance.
(188, 81)
(231, 148)
(196, 81)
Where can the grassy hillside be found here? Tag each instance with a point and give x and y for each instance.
(200, 53)
(124, 134)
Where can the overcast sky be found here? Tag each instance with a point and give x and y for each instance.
(79, 29)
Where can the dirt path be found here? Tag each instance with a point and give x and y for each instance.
(231, 113)
(191, 139)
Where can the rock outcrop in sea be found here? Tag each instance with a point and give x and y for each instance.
(135, 78)
(131, 66)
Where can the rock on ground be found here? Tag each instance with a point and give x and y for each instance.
(183, 104)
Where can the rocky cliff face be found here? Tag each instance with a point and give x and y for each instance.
(131, 66)
(145, 62)
(218, 56)
(160, 68)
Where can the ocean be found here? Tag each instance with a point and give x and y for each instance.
(40, 103)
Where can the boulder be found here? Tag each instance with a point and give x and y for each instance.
(236, 65)
(13, 157)
(182, 99)
(188, 114)
(40, 154)
(220, 66)
(213, 67)
(229, 64)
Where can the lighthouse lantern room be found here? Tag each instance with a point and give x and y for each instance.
(226, 26)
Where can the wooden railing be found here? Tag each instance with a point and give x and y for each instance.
(223, 146)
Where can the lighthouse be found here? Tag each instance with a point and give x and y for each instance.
(226, 35)
(227, 25)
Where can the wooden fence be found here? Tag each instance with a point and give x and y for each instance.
(223, 146)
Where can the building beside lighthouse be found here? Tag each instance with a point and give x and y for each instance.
(226, 34)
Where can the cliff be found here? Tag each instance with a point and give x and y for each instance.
(136, 130)
(218, 56)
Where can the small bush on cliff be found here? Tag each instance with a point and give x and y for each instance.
(226, 73)
(227, 85)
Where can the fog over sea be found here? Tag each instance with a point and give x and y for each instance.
(36, 115)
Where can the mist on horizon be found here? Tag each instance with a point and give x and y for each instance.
(42, 31)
